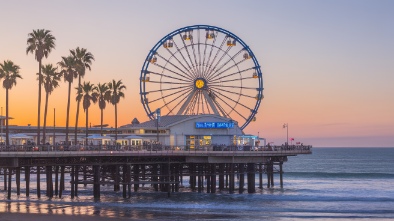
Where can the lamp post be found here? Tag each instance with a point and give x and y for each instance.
(286, 125)
(157, 123)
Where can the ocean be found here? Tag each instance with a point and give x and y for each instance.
(329, 184)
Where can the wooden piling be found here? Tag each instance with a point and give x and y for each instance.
(38, 182)
(213, 178)
(27, 178)
(18, 180)
(251, 177)
(9, 182)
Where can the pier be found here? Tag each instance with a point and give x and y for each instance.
(131, 168)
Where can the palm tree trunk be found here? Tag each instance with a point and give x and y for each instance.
(77, 115)
(87, 120)
(39, 102)
(45, 117)
(68, 111)
(101, 126)
(116, 123)
(7, 141)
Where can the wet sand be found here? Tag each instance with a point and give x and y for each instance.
(52, 217)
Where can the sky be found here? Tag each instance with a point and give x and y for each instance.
(328, 66)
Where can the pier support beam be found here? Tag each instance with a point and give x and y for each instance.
(231, 179)
(38, 182)
(241, 172)
(136, 177)
(5, 178)
(251, 177)
(18, 180)
(27, 178)
(61, 187)
(9, 182)
(221, 176)
(56, 180)
(96, 182)
(281, 174)
(213, 178)
(155, 177)
(117, 179)
(261, 176)
(124, 181)
(72, 182)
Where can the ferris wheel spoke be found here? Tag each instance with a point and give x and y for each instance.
(168, 76)
(168, 95)
(236, 102)
(232, 58)
(199, 53)
(169, 62)
(183, 56)
(230, 74)
(214, 77)
(205, 65)
(224, 113)
(189, 73)
(168, 82)
(203, 62)
(231, 86)
(184, 95)
(232, 109)
(234, 80)
(232, 92)
(194, 53)
(188, 54)
(173, 88)
(210, 63)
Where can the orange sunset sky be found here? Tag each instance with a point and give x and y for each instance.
(328, 66)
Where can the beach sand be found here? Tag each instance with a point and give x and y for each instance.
(45, 217)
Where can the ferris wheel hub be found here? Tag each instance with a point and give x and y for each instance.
(200, 83)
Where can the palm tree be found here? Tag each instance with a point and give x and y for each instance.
(88, 94)
(83, 60)
(40, 42)
(103, 98)
(68, 71)
(10, 72)
(115, 88)
(50, 80)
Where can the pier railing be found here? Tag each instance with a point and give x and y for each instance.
(143, 150)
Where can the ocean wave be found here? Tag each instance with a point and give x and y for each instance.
(341, 175)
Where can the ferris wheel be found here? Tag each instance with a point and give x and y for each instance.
(202, 69)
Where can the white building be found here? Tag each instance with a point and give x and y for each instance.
(192, 131)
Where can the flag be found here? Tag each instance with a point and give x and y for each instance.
(298, 143)
(291, 139)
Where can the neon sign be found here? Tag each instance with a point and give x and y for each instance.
(214, 125)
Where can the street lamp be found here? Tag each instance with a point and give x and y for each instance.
(286, 125)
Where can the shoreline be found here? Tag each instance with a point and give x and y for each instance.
(10, 216)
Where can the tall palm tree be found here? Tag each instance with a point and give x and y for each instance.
(83, 60)
(9, 72)
(88, 94)
(67, 64)
(40, 42)
(115, 88)
(103, 98)
(50, 80)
